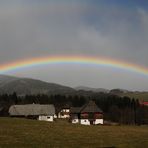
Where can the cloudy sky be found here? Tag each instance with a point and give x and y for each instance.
(114, 29)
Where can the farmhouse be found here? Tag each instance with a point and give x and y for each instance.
(64, 112)
(144, 103)
(88, 114)
(34, 111)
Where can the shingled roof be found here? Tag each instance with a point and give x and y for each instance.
(31, 110)
(75, 110)
(91, 107)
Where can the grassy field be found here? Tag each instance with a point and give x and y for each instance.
(61, 134)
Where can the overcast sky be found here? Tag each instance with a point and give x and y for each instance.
(115, 29)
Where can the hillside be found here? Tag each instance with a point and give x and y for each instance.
(92, 89)
(24, 86)
(118, 91)
(4, 79)
(143, 96)
(31, 133)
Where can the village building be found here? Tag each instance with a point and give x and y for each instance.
(143, 103)
(64, 112)
(34, 111)
(89, 114)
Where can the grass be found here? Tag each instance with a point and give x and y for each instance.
(61, 134)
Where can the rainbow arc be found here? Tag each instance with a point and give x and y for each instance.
(99, 61)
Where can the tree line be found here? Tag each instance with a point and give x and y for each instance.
(123, 110)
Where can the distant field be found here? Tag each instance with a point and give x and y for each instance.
(143, 96)
(61, 134)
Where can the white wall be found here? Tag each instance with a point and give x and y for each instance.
(84, 122)
(63, 116)
(75, 121)
(64, 113)
(98, 121)
(66, 110)
(87, 122)
(46, 118)
(55, 116)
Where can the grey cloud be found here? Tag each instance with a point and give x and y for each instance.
(54, 29)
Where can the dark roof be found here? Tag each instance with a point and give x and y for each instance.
(91, 107)
(75, 109)
(31, 109)
(66, 106)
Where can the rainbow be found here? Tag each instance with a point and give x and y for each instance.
(99, 61)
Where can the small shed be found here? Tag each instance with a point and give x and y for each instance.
(34, 111)
(75, 114)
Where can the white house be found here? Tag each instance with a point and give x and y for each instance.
(64, 113)
(34, 111)
(89, 114)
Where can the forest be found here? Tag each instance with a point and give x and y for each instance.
(122, 110)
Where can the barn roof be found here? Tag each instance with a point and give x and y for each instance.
(31, 109)
(91, 107)
(75, 109)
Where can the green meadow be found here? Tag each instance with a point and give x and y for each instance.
(62, 134)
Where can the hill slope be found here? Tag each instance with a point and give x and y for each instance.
(142, 96)
(24, 86)
(4, 79)
(92, 89)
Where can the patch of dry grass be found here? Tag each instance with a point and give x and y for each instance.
(61, 134)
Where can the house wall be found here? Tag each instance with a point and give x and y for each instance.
(98, 121)
(87, 122)
(64, 113)
(74, 118)
(46, 118)
(55, 116)
(84, 122)
(75, 121)
(66, 110)
(63, 116)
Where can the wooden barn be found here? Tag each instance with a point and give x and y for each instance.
(34, 111)
(89, 114)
